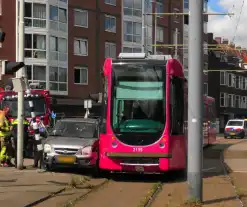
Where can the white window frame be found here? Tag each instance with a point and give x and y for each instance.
(160, 34)
(35, 51)
(81, 40)
(115, 20)
(225, 76)
(58, 92)
(57, 55)
(237, 98)
(233, 80)
(243, 102)
(159, 3)
(242, 83)
(1, 7)
(232, 103)
(81, 68)
(111, 45)
(111, 2)
(42, 21)
(81, 11)
(225, 97)
(57, 25)
(32, 80)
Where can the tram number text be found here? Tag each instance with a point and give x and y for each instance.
(137, 149)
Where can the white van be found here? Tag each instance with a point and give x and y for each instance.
(236, 128)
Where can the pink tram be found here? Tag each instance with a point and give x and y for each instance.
(145, 115)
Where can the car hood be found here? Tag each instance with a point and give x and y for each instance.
(69, 142)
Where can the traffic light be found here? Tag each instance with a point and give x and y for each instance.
(9, 68)
(2, 37)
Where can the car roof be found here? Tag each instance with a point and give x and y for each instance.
(88, 120)
(236, 120)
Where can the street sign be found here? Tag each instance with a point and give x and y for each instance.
(88, 104)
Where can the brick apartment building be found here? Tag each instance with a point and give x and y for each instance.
(227, 87)
(66, 41)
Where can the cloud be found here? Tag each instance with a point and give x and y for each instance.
(225, 26)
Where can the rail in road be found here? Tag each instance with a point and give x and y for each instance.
(118, 190)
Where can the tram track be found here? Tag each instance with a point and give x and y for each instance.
(69, 195)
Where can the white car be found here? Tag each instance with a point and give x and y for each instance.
(236, 128)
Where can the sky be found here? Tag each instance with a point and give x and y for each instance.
(225, 26)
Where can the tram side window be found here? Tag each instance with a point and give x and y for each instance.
(177, 106)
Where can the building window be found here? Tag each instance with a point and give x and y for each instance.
(58, 49)
(35, 15)
(110, 23)
(132, 32)
(160, 34)
(237, 101)
(223, 100)
(81, 75)
(132, 49)
(231, 101)
(159, 7)
(132, 8)
(186, 4)
(36, 73)
(80, 47)
(110, 50)
(223, 78)
(81, 18)
(242, 84)
(58, 79)
(35, 46)
(58, 19)
(238, 81)
(205, 89)
(111, 2)
(243, 102)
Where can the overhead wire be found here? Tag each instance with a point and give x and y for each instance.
(238, 21)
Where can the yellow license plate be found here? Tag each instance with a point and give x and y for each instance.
(67, 159)
(232, 134)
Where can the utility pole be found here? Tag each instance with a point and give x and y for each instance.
(20, 140)
(195, 100)
(176, 43)
(143, 27)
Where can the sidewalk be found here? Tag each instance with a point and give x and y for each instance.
(236, 159)
(21, 188)
(217, 187)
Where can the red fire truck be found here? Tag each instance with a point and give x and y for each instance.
(41, 98)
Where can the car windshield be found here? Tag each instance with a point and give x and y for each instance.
(39, 107)
(75, 129)
(235, 123)
(138, 101)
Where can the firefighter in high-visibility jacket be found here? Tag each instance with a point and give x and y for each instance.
(14, 126)
(5, 137)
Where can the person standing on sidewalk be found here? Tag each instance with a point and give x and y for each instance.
(5, 137)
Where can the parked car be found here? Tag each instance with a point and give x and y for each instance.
(236, 128)
(72, 143)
